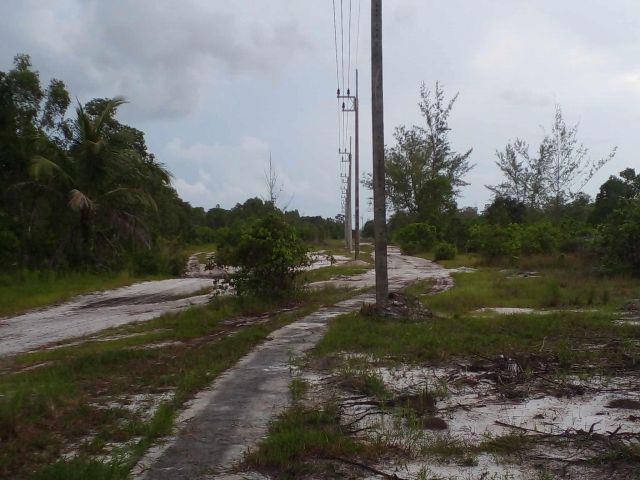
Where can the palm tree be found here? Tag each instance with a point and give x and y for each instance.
(105, 184)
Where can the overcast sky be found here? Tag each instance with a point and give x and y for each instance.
(217, 85)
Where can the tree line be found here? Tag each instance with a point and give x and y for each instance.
(539, 206)
(81, 190)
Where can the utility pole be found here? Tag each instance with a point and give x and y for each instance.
(346, 154)
(350, 104)
(377, 127)
(357, 172)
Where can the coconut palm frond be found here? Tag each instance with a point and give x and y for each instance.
(41, 168)
(130, 225)
(79, 201)
(133, 195)
(110, 108)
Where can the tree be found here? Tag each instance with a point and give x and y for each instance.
(423, 172)
(524, 175)
(553, 177)
(613, 194)
(106, 184)
(569, 165)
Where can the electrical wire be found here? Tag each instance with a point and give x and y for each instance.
(349, 55)
(335, 42)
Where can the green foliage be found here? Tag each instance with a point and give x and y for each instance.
(267, 254)
(300, 435)
(614, 193)
(493, 241)
(416, 237)
(541, 237)
(621, 237)
(82, 469)
(505, 211)
(444, 251)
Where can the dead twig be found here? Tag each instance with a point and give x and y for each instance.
(368, 468)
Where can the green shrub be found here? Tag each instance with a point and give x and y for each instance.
(541, 237)
(205, 234)
(621, 237)
(164, 258)
(416, 237)
(268, 255)
(493, 241)
(445, 251)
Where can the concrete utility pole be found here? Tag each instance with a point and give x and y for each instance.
(348, 240)
(377, 127)
(356, 105)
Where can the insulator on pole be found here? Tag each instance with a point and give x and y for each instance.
(343, 106)
(338, 92)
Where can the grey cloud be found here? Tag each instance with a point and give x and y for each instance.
(162, 53)
(526, 97)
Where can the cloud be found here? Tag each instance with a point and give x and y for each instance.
(526, 96)
(162, 53)
(219, 174)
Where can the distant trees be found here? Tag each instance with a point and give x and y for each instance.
(554, 175)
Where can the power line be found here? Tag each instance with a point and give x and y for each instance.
(357, 33)
(349, 55)
(335, 42)
(342, 40)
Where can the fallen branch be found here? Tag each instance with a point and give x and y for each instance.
(365, 467)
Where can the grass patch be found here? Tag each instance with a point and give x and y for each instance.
(327, 273)
(491, 287)
(83, 469)
(461, 260)
(299, 436)
(568, 335)
(45, 409)
(26, 290)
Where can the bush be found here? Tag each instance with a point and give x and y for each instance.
(493, 241)
(163, 258)
(445, 251)
(416, 237)
(621, 237)
(205, 234)
(268, 255)
(541, 237)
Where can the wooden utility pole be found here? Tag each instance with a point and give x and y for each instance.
(357, 170)
(377, 126)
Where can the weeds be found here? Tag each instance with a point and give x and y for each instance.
(45, 409)
(300, 435)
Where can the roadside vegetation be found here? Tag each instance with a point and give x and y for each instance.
(111, 396)
(81, 196)
(544, 318)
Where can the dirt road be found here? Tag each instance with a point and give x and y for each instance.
(223, 422)
(90, 313)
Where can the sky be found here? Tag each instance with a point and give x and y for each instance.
(219, 86)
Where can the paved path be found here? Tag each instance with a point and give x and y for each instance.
(222, 422)
(94, 312)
